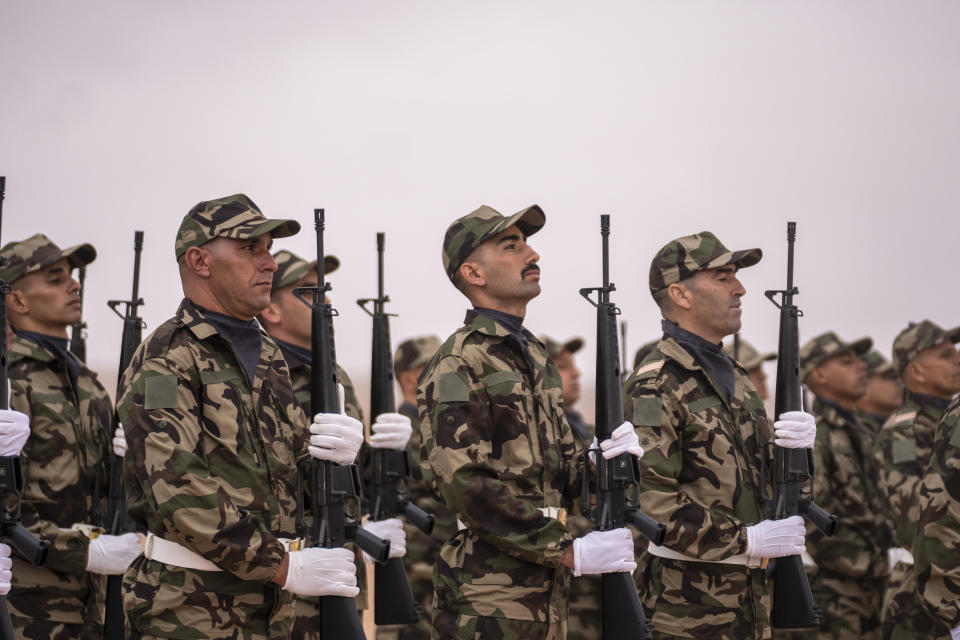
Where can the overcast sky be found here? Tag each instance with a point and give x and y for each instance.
(673, 117)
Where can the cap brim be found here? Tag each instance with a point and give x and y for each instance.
(80, 256)
(276, 229)
(573, 345)
(954, 335)
(330, 264)
(768, 357)
(860, 347)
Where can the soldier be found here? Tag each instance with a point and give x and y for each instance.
(708, 447)
(752, 361)
(498, 451)
(884, 391)
(936, 545)
(925, 358)
(848, 579)
(65, 459)
(584, 620)
(215, 436)
(422, 550)
(287, 320)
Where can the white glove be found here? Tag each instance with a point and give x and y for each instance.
(335, 437)
(14, 431)
(955, 634)
(111, 555)
(6, 575)
(392, 530)
(119, 442)
(777, 538)
(390, 431)
(604, 552)
(623, 440)
(795, 430)
(316, 571)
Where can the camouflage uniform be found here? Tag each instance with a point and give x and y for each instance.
(583, 620)
(290, 269)
(64, 469)
(707, 448)
(903, 450)
(850, 575)
(422, 549)
(211, 464)
(936, 546)
(497, 450)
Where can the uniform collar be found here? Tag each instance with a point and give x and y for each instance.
(195, 318)
(931, 405)
(833, 411)
(486, 325)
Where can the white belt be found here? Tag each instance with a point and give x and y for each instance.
(557, 513)
(175, 554)
(899, 554)
(740, 559)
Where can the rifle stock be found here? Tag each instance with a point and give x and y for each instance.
(334, 488)
(393, 599)
(793, 605)
(11, 471)
(622, 613)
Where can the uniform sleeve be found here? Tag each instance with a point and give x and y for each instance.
(190, 506)
(937, 543)
(41, 460)
(693, 528)
(457, 424)
(899, 477)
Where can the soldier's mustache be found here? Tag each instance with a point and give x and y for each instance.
(529, 268)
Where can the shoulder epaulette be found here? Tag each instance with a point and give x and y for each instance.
(650, 369)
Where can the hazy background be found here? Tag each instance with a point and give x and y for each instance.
(673, 117)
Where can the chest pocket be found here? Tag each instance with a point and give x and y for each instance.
(224, 420)
(710, 449)
(514, 436)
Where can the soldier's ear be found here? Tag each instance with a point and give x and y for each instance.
(472, 273)
(272, 315)
(197, 261)
(17, 302)
(914, 373)
(680, 296)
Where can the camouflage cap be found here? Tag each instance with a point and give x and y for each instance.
(470, 231)
(233, 216)
(749, 357)
(825, 345)
(917, 337)
(555, 348)
(877, 365)
(681, 258)
(414, 353)
(291, 267)
(644, 351)
(38, 252)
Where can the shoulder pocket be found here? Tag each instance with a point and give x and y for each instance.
(216, 377)
(161, 392)
(452, 388)
(646, 412)
(904, 450)
(503, 382)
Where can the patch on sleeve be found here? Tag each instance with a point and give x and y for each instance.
(904, 450)
(649, 370)
(646, 412)
(161, 392)
(452, 388)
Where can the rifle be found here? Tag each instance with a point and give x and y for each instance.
(793, 606)
(623, 615)
(393, 599)
(332, 486)
(623, 352)
(117, 520)
(11, 471)
(78, 332)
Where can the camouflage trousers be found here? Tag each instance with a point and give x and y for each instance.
(34, 629)
(851, 608)
(903, 616)
(583, 619)
(450, 625)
